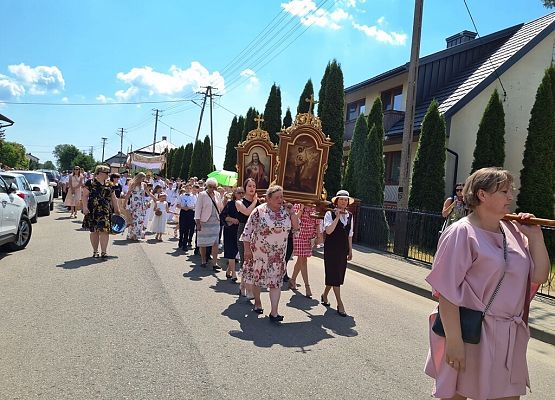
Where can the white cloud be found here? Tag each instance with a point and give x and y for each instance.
(10, 89)
(299, 8)
(381, 21)
(177, 81)
(310, 14)
(339, 15)
(393, 38)
(65, 99)
(39, 80)
(248, 72)
(103, 99)
(253, 80)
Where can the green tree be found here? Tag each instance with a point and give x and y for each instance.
(177, 163)
(186, 163)
(233, 137)
(206, 161)
(196, 160)
(428, 180)
(33, 165)
(370, 168)
(65, 154)
(490, 139)
(333, 124)
(537, 177)
(308, 91)
(167, 171)
(549, 3)
(355, 156)
(49, 165)
(288, 119)
(322, 91)
(272, 114)
(12, 154)
(85, 161)
(249, 123)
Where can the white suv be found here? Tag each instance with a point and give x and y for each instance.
(15, 226)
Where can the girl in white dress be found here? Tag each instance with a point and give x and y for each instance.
(160, 216)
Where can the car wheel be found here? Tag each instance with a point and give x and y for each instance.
(46, 212)
(51, 206)
(23, 234)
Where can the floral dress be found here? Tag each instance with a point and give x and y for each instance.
(137, 207)
(100, 207)
(302, 243)
(267, 232)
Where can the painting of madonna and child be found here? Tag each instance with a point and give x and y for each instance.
(302, 168)
(257, 166)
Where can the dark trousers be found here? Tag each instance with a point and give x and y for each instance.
(64, 194)
(186, 226)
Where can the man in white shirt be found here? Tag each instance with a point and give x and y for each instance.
(123, 178)
(158, 181)
(186, 204)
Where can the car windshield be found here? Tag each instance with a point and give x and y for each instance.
(34, 179)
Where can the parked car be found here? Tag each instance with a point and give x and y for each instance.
(15, 226)
(42, 189)
(53, 176)
(24, 191)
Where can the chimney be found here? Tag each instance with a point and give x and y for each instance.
(164, 138)
(460, 38)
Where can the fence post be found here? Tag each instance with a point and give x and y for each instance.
(354, 208)
(400, 246)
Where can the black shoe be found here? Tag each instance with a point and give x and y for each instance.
(234, 280)
(228, 276)
(215, 268)
(277, 318)
(258, 310)
(286, 278)
(324, 303)
(342, 313)
(203, 265)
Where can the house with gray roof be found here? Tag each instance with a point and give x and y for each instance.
(461, 78)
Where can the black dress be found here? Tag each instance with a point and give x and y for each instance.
(336, 250)
(100, 207)
(230, 231)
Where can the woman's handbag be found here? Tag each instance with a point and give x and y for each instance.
(471, 320)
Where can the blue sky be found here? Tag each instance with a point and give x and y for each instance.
(108, 51)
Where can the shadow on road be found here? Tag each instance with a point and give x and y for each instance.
(84, 262)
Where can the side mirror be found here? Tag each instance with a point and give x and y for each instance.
(36, 189)
(53, 184)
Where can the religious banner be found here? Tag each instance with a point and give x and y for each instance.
(257, 158)
(149, 162)
(303, 155)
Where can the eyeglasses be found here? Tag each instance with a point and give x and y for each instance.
(458, 190)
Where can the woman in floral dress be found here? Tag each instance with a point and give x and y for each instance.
(302, 245)
(265, 241)
(137, 207)
(98, 202)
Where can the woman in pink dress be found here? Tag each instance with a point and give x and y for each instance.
(302, 245)
(74, 191)
(265, 241)
(473, 256)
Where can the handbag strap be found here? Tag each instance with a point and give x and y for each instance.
(505, 257)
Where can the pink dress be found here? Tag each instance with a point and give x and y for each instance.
(467, 267)
(302, 242)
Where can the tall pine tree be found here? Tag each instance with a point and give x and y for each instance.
(370, 176)
(196, 161)
(186, 164)
(233, 138)
(288, 119)
(177, 161)
(490, 139)
(272, 114)
(307, 92)
(537, 177)
(355, 156)
(250, 124)
(428, 179)
(322, 91)
(168, 166)
(333, 124)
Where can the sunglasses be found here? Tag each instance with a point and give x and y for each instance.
(458, 190)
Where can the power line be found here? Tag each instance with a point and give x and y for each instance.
(27, 103)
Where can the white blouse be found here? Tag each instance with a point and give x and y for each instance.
(344, 219)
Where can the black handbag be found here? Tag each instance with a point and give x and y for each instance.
(471, 320)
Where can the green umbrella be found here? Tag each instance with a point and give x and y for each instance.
(224, 178)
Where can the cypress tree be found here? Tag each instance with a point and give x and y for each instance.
(322, 91)
(307, 92)
(537, 177)
(272, 114)
(355, 156)
(230, 159)
(177, 160)
(186, 164)
(370, 167)
(249, 124)
(333, 124)
(428, 180)
(490, 139)
(288, 119)
(206, 161)
(168, 166)
(196, 160)
(240, 128)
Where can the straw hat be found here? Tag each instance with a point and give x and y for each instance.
(342, 194)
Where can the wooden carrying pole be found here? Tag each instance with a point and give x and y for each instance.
(531, 221)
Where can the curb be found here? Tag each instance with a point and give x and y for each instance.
(538, 334)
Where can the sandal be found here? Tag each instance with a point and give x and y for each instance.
(104, 255)
(308, 292)
(292, 285)
(95, 254)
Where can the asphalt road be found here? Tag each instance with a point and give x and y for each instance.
(150, 324)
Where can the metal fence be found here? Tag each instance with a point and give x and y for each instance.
(382, 229)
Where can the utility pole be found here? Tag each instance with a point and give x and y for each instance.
(103, 145)
(91, 148)
(120, 134)
(404, 178)
(155, 129)
(201, 114)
